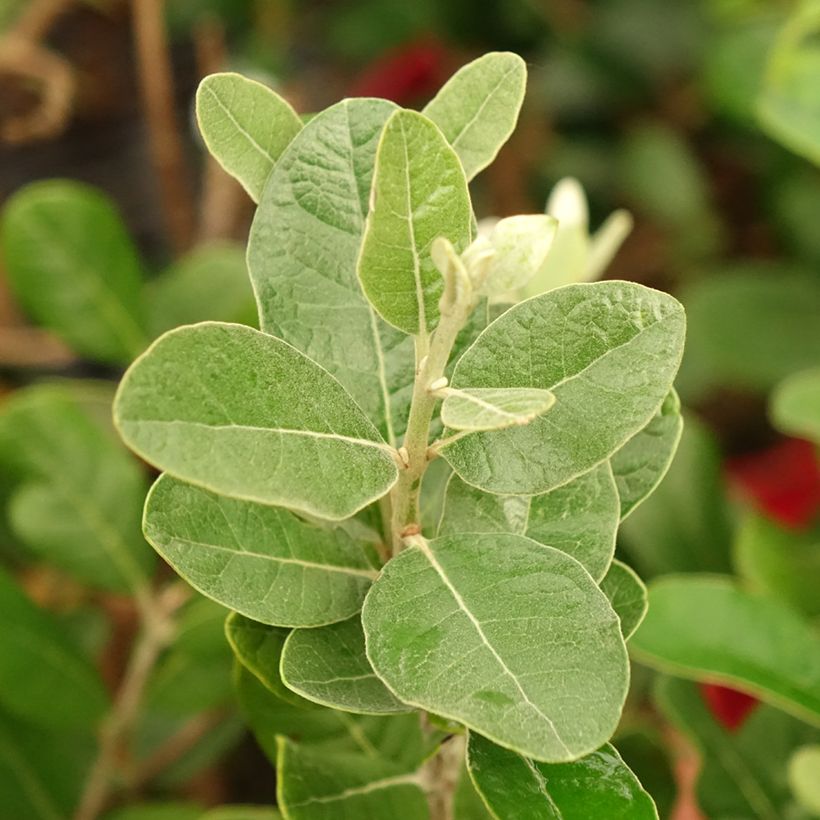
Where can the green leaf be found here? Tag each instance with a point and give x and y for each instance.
(74, 269)
(244, 414)
(804, 776)
(41, 771)
(742, 772)
(329, 666)
(627, 594)
(194, 674)
(477, 108)
(580, 518)
(258, 647)
(640, 465)
(608, 351)
(707, 629)
(44, 678)
(598, 785)
(419, 193)
(241, 813)
(78, 496)
(157, 811)
(246, 127)
(494, 409)
(317, 786)
(309, 293)
(211, 282)
(500, 633)
(782, 562)
(795, 406)
(684, 526)
(258, 560)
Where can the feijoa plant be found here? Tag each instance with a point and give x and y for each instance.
(296, 460)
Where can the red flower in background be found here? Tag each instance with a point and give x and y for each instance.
(730, 707)
(782, 481)
(410, 72)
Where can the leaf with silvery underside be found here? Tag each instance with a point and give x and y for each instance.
(640, 465)
(258, 647)
(246, 415)
(477, 108)
(302, 254)
(419, 193)
(486, 408)
(74, 269)
(41, 770)
(598, 785)
(78, 494)
(261, 561)
(692, 629)
(627, 594)
(329, 666)
(317, 786)
(392, 737)
(608, 351)
(580, 518)
(211, 282)
(507, 636)
(742, 771)
(44, 677)
(246, 126)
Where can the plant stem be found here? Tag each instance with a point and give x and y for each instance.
(441, 777)
(156, 634)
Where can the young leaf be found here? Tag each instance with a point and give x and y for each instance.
(246, 127)
(329, 666)
(795, 407)
(43, 676)
(610, 367)
(598, 785)
(486, 408)
(419, 193)
(73, 267)
(308, 292)
(640, 465)
(78, 494)
(477, 108)
(317, 786)
(580, 518)
(41, 772)
(211, 282)
(258, 647)
(627, 594)
(261, 561)
(244, 414)
(692, 629)
(506, 658)
(742, 771)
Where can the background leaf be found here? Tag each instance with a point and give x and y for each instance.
(74, 269)
(505, 658)
(244, 414)
(795, 406)
(246, 126)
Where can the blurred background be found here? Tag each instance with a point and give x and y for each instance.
(700, 118)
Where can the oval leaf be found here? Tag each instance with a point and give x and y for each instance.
(795, 405)
(477, 108)
(598, 785)
(244, 414)
(74, 269)
(486, 408)
(692, 630)
(246, 127)
(627, 594)
(505, 658)
(580, 518)
(43, 676)
(610, 366)
(329, 666)
(419, 193)
(261, 561)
